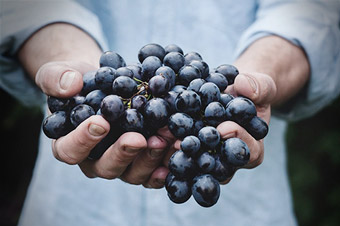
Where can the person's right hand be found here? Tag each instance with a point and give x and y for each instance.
(131, 158)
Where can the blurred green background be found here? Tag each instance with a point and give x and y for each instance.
(313, 162)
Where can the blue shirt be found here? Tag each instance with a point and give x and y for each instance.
(220, 30)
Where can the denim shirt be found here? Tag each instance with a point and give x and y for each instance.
(219, 30)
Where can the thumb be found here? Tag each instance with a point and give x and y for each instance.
(260, 88)
(62, 78)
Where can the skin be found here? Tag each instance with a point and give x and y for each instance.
(272, 71)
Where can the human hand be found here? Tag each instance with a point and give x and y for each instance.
(132, 158)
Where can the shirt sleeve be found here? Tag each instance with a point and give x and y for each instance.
(19, 20)
(313, 26)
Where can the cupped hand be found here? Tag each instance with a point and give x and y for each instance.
(131, 158)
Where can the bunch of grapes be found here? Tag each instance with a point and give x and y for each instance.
(166, 88)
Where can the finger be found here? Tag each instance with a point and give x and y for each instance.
(116, 158)
(157, 179)
(76, 146)
(61, 78)
(260, 88)
(230, 129)
(146, 162)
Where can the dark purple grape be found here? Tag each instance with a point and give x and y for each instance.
(137, 71)
(222, 171)
(124, 86)
(88, 82)
(80, 113)
(174, 60)
(104, 78)
(124, 71)
(229, 71)
(226, 98)
(159, 85)
(235, 152)
(218, 79)
(202, 66)
(167, 72)
(198, 125)
(156, 112)
(151, 49)
(181, 125)
(112, 107)
(178, 88)
(206, 162)
(196, 84)
(179, 191)
(150, 65)
(240, 110)
(111, 59)
(171, 98)
(192, 56)
(188, 102)
(188, 73)
(182, 165)
(257, 127)
(173, 48)
(94, 98)
(57, 104)
(132, 121)
(191, 145)
(209, 92)
(206, 190)
(56, 125)
(209, 136)
(214, 114)
(138, 102)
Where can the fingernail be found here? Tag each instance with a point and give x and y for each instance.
(156, 152)
(67, 79)
(96, 130)
(252, 83)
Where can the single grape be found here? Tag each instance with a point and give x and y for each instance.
(132, 121)
(124, 86)
(79, 113)
(89, 83)
(179, 191)
(196, 84)
(209, 92)
(240, 110)
(156, 112)
(111, 59)
(150, 65)
(151, 49)
(138, 102)
(229, 71)
(124, 71)
(112, 107)
(222, 171)
(257, 127)
(57, 104)
(178, 88)
(235, 152)
(173, 48)
(167, 72)
(218, 79)
(174, 60)
(190, 56)
(137, 71)
(190, 145)
(159, 85)
(188, 102)
(209, 136)
(206, 190)
(206, 162)
(94, 99)
(170, 98)
(226, 98)
(202, 66)
(188, 73)
(104, 78)
(181, 125)
(56, 125)
(182, 165)
(214, 114)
